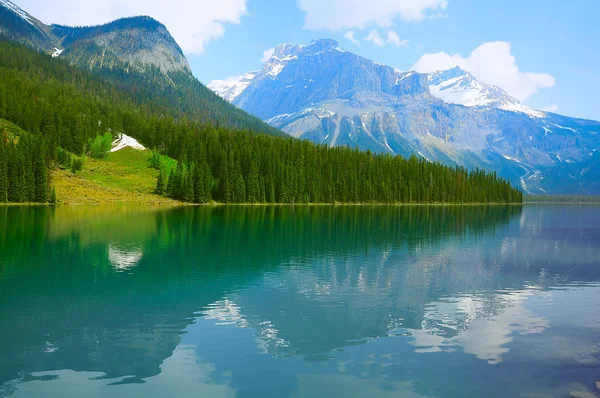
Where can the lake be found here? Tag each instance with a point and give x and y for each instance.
(313, 301)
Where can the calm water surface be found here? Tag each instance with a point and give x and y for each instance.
(300, 302)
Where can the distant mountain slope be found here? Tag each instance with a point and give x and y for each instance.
(457, 86)
(18, 25)
(138, 55)
(137, 41)
(328, 95)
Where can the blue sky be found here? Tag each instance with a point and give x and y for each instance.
(546, 53)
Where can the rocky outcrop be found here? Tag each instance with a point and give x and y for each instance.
(138, 42)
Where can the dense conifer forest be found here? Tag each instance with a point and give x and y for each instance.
(221, 156)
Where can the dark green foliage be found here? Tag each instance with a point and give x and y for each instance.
(3, 173)
(53, 196)
(250, 168)
(64, 158)
(161, 183)
(76, 165)
(41, 181)
(63, 107)
(23, 169)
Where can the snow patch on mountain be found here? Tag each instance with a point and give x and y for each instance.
(125, 141)
(57, 52)
(518, 107)
(283, 55)
(16, 9)
(565, 128)
(231, 88)
(457, 86)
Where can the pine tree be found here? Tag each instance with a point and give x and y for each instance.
(17, 190)
(160, 183)
(240, 190)
(253, 186)
(41, 181)
(3, 174)
(188, 187)
(170, 192)
(53, 196)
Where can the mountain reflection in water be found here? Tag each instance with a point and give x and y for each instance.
(217, 297)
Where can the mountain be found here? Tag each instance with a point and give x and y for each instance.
(137, 41)
(331, 96)
(18, 25)
(457, 86)
(140, 42)
(136, 54)
(52, 113)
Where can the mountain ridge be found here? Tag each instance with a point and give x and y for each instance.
(139, 41)
(447, 116)
(138, 54)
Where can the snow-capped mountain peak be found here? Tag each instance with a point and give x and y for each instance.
(230, 88)
(283, 54)
(455, 85)
(458, 86)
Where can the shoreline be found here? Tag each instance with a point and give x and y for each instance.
(217, 204)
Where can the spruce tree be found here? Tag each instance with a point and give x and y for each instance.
(53, 196)
(41, 181)
(253, 186)
(240, 190)
(170, 192)
(160, 183)
(3, 174)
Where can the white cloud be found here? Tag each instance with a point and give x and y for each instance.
(550, 108)
(350, 36)
(193, 23)
(392, 38)
(491, 63)
(335, 15)
(374, 37)
(267, 54)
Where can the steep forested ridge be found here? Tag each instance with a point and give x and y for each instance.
(61, 106)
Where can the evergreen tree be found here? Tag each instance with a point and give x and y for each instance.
(160, 183)
(53, 196)
(253, 186)
(171, 184)
(240, 189)
(3, 173)
(41, 181)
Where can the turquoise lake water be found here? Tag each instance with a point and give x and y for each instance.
(315, 301)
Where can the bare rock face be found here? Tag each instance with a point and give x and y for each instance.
(138, 42)
(20, 26)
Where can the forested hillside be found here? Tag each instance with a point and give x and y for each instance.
(63, 108)
(247, 168)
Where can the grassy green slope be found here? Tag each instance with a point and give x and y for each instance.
(123, 177)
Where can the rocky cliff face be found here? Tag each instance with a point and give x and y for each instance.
(327, 95)
(138, 42)
(19, 26)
